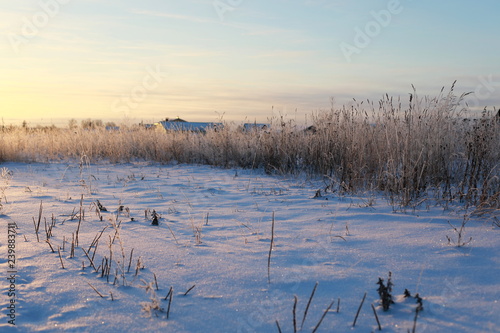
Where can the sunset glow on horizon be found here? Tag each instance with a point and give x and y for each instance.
(237, 59)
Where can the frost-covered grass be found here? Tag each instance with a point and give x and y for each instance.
(139, 230)
(403, 152)
(207, 265)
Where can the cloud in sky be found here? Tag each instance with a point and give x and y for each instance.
(259, 54)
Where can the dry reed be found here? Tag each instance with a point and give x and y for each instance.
(430, 146)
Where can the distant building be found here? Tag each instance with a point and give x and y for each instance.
(176, 120)
(247, 127)
(179, 124)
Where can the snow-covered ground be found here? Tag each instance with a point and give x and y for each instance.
(214, 233)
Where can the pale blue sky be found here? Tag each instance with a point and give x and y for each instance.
(246, 60)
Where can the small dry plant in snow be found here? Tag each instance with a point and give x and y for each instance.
(5, 177)
(152, 308)
(460, 238)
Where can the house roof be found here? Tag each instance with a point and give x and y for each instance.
(178, 120)
(187, 125)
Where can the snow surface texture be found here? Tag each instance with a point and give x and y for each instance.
(214, 233)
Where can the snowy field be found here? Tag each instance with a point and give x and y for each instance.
(207, 265)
